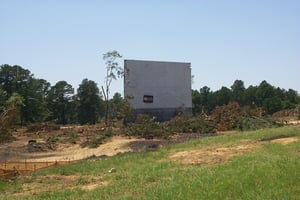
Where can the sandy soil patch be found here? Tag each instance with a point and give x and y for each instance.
(285, 140)
(16, 151)
(295, 122)
(210, 155)
(76, 152)
(40, 184)
(216, 155)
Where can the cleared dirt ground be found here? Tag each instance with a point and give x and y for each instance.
(33, 151)
(214, 155)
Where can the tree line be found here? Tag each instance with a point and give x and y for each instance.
(39, 101)
(270, 98)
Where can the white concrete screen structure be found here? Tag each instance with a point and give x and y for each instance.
(160, 89)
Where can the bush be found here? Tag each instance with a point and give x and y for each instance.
(187, 124)
(146, 127)
(254, 123)
(149, 128)
(95, 141)
(98, 138)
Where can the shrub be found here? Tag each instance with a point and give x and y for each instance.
(188, 124)
(95, 141)
(254, 123)
(98, 138)
(147, 127)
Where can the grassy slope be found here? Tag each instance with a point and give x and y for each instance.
(271, 171)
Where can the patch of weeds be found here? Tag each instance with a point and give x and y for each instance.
(82, 181)
(9, 187)
(188, 124)
(53, 140)
(72, 137)
(63, 171)
(255, 123)
(108, 132)
(99, 138)
(148, 128)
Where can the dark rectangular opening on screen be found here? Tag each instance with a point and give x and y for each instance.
(148, 99)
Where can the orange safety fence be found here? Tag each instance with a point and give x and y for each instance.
(11, 169)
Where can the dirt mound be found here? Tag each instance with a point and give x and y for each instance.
(216, 155)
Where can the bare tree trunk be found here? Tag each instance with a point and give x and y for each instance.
(106, 102)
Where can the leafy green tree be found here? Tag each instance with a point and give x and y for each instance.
(72, 114)
(126, 110)
(205, 94)
(196, 101)
(238, 92)
(222, 96)
(113, 71)
(264, 91)
(116, 104)
(59, 101)
(291, 97)
(35, 107)
(9, 115)
(2, 99)
(89, 102)
(250, 95)
(266, 97)
(272, 105)
(14, 79)
(201, 100)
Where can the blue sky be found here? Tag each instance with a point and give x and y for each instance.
(224, 40)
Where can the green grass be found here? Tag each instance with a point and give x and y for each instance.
(271, 171)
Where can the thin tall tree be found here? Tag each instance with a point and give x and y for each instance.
(113, 71)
